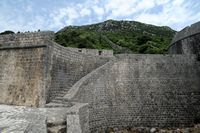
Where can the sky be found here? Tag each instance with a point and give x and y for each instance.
(32, 15)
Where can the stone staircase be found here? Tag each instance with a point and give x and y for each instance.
(59, 100)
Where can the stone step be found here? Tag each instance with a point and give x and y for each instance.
(60, 92)
(54, 105)
(59, 100)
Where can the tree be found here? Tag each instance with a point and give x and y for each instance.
(142, 39)
(7, 32)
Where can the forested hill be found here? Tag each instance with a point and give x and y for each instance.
(121, 36)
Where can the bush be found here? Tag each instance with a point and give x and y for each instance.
(7, 32)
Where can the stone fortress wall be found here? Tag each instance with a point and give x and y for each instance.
(22, 80)
(142, 90)
(34, 68)
(187, 41)
(95, 52)
(105, 91)
(25, 39)
(36, 38)
(66, 68)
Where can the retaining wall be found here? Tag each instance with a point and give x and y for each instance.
(142, 90)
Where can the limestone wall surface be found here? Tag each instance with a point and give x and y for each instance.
(67, 67)
(187, 41)
(95, 52)
(78, 119)
(35, 70)
(142, 90)
(22, 80)
(20, 119)
(25, 39)
(187, 32)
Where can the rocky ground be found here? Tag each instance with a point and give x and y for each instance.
(195, 129)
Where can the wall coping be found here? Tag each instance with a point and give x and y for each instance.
(188, 31)
(27, 33)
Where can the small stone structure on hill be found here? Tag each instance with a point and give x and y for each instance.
(56, 89)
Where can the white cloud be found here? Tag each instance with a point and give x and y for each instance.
(68, 15)
(98, 10)
(145, 4)
(175, 13)
(85, 12)
(162, 2)
(29, 8)
(119, 8)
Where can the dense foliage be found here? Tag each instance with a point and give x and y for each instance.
(7, 32)
(135, 36)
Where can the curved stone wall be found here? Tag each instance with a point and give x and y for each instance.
(187, 31)
(35, 70)
(66, 67)
(142, 90)
(187, 41)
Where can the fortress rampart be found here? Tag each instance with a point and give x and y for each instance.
(187, 41)
(92, 90)
(96, 52)
(67, 67)
(35, 69)
(187, 32)
(22, 75)
(142, 90)
(25, 39)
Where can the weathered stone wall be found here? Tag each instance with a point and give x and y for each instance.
(42, 120)
(187, 31)
(37, 38)
(21, 119)
(22, 78)
(67, 67)
(25, 39)
(142, 90)
(95, 52)
(23, 58)
(78, 119)
(187, 41)
(35, 70)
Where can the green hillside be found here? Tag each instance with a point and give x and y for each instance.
(121, 36)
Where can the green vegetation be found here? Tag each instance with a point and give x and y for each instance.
(134, 36)
(7, 32)
(80, 39)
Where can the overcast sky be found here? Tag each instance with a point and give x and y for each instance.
(31, 15)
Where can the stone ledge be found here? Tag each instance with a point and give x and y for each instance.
(189, 31)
